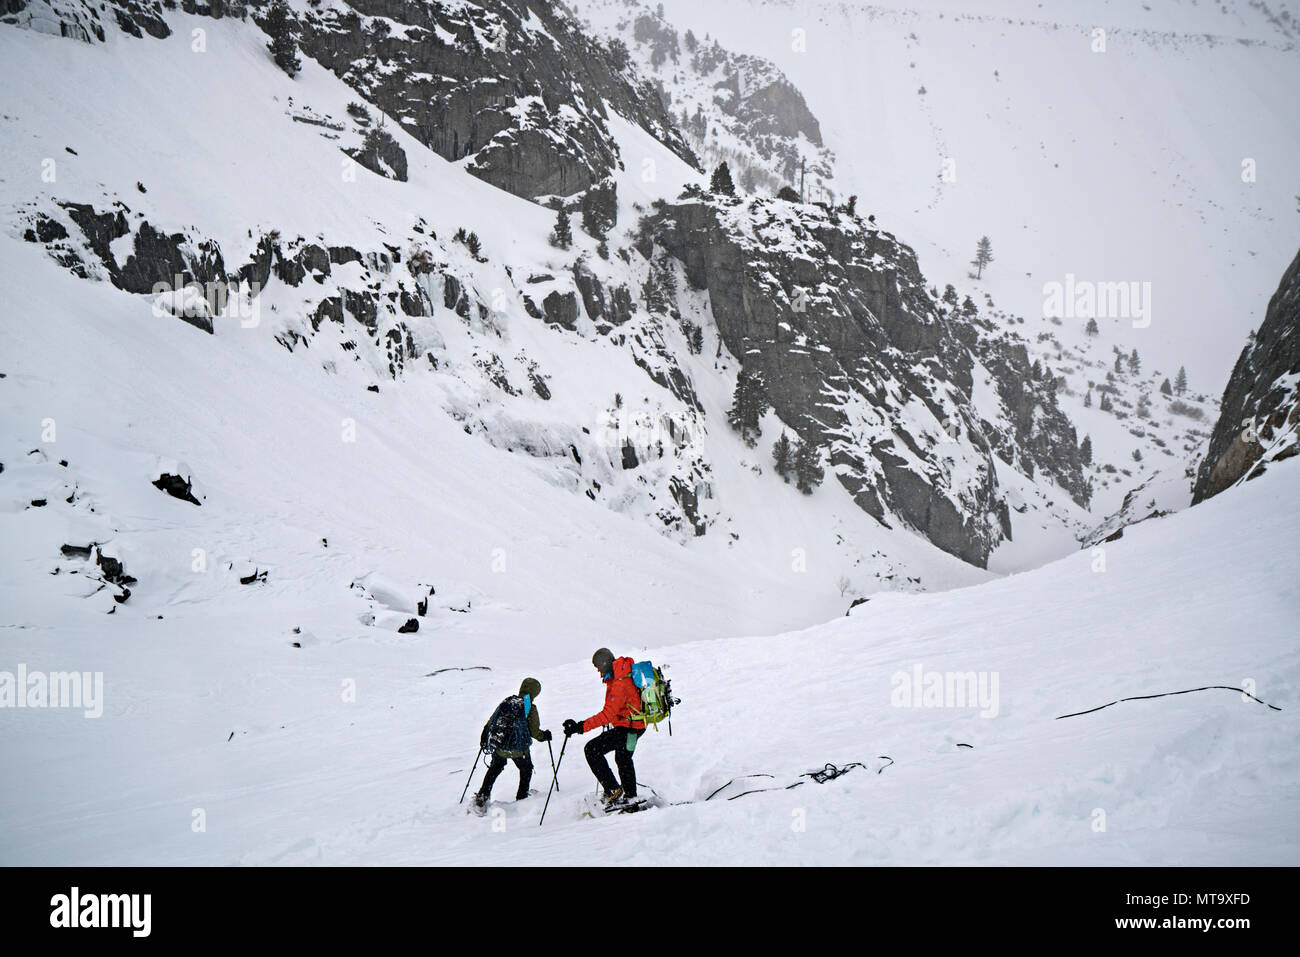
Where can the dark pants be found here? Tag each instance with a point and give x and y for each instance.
(525, 765)
(615, 739)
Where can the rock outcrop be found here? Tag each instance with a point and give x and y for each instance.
(858, 358)
(1260, 418)
(511, 87)
(718, 96)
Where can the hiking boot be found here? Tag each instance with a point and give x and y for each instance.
(479, 805)
(610, 798)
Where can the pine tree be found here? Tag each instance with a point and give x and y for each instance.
(618, 54)
(1085, 450)
(667, 279)
(1119, 362)
(1087, 400)
(950, 294)
(783, 456)
(1143, 410)
(699, 123)
(652, 293)
(1180, 381)
(1091, 328)
(1106, 405)
(472, 244)
(1137, 455)
(1134, 362)
(562, 234)
(968, 307)
(283, 45)
(1166, 388)
(852, 207)
(807, 467)
(600, 209)
(720, 182)
(983, 256)
(695, 340)
(748, 404)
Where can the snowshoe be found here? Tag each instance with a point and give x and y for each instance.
(596, 805)
(478, 806)
(626, 805)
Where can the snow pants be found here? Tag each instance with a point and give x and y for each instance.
(525, 765)
(622, 741)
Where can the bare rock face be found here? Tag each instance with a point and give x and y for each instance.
(512, 86)
(742, 98)
(860, 360)
(766, 102)
(1260, 418)
(561, 309)
(613, 306)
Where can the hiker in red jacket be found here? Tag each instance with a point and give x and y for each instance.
(622, 731)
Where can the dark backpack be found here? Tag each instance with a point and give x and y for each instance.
(507, 729)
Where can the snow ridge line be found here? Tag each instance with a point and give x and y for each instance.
(1166, 694)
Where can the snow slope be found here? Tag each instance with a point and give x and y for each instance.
(1208, 596)
(295, 722)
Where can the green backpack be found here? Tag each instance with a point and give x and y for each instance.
(656, 695)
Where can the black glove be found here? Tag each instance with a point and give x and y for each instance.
(572, 727)
(546, 735)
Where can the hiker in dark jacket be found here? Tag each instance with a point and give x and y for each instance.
(528, 690)
(622, 701)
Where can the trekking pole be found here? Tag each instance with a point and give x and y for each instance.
(553, 780)
(554, 770)
(471, 776)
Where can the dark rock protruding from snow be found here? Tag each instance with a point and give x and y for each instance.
(176, 487)
(114, 571)
(1260, 418)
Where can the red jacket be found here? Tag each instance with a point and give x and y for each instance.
(622, 697)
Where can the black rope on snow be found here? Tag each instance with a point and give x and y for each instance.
(830, 772)
(1166, 694)
(733, 781)
(788, 787)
